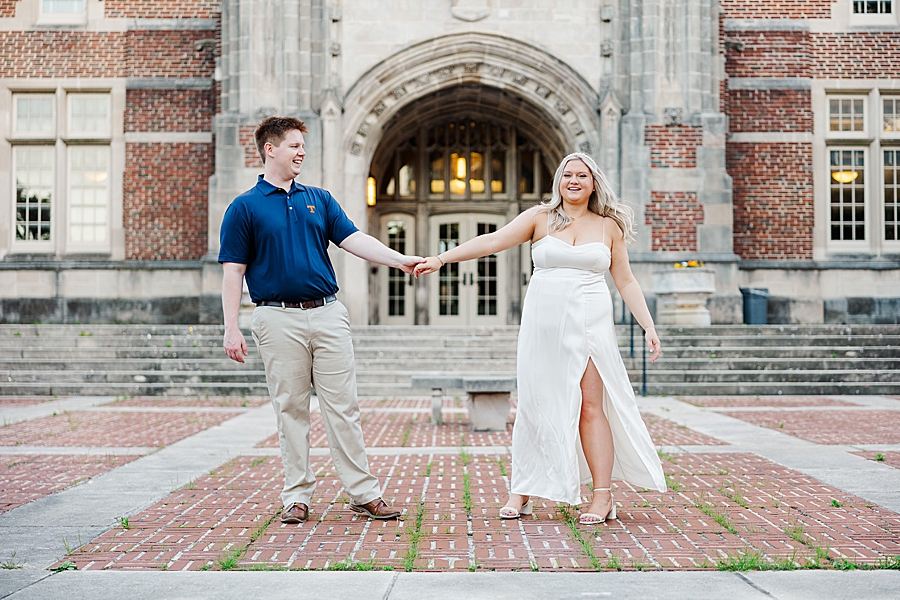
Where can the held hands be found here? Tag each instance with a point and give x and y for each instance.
(652, 343)
(235, 346)
(428, 266)
(408, 264)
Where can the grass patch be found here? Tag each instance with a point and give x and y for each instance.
(467, 494)
(11, 563)
(502, 467)
(734, 493)
(672, 484)
(66, 566)
(123, 522)
(754, 560)
(407, 431)
(464, 457)
(571, 520)
(415, 535)
(355, 565)
(711, 510)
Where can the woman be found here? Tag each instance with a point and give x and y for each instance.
(577, 418)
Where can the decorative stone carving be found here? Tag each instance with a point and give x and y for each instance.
(445, 72)
(356, 148)
(543, 91)
(606, 48)
(497, 71)
(562, 107)
(672, 116)
(398, 92)
(606, 13)
(335, 49)
(379, 108)
(470, 10)
(265, 111)
(471, 67)
(363, 129)
(519, 79)
(585, 147)
(423, 79)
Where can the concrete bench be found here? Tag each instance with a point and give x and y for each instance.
(487, 398)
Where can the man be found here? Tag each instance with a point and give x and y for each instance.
(277, 235)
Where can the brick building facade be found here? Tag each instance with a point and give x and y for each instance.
(762, 138)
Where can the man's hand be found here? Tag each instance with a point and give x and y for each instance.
(235, 345)
(408, 263)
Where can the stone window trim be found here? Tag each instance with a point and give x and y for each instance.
(65, 143)
(873, 141)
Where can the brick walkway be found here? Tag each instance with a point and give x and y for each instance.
(725, 508)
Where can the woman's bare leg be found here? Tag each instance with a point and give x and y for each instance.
(596, 439)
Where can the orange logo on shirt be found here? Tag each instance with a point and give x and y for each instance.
(312, 209)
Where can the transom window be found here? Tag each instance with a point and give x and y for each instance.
(465, 160)
(891, 115)
(846, 114)
(872, 7)
(63, 7)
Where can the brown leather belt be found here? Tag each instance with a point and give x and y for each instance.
(303, 305)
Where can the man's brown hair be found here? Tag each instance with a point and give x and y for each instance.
(273, 130)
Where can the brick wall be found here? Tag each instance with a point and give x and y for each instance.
(169, 110)
(768, 54)
(62, 54)
(248, 142)
(770, 110)
(674, 146)
(169, 54)
(673, 218)
(8, 8)
(776, 9)
(161, 9)
(858, 54)
(773, 200)
(166, 200)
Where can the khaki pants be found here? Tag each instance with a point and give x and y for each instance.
(294, 344)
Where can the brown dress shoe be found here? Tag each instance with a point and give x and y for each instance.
(376, 509)
(295, 513)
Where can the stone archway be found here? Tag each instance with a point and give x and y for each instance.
(548, 86)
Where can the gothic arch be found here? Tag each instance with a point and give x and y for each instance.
(422, 69)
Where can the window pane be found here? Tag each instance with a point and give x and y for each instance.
(891, 115)
(449, 276)
(89, 194)
(437, 172)
(476, 173)
(487, 277)
(526, 172)
(34, 113)
(498, 171)
(34, 191)
(407, 174)
(847, 195)
(63, 6)
(846, 114)
(89, 114)
(891, 194)
(458, 172)
(396, 277)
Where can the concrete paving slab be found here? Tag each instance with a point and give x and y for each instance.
(79, 450)
(816, 585)
(100, 585)
(12, 581)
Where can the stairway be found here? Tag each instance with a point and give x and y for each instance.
(132, 360)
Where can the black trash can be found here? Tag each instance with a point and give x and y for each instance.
(756, 304)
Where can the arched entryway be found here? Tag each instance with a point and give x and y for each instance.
(452, 137)
(457, 164)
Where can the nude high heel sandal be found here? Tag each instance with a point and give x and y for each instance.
(594, 519)
(508, 512)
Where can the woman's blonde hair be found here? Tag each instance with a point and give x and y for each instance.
(603, 199)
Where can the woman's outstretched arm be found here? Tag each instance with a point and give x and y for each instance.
(518, 231)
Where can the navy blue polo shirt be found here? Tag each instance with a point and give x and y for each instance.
(283, 239)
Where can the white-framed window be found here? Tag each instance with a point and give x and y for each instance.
(891, 162)
(847, 116)
(867, 7)
(873, 12)
(62, 12)
(847, 204)
(61, 165)
(890, 116)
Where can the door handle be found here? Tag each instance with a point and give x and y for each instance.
(471, 279)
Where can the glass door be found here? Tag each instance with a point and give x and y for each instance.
(397, 299)
(473, 292)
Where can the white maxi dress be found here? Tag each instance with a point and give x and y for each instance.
(567, 318)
